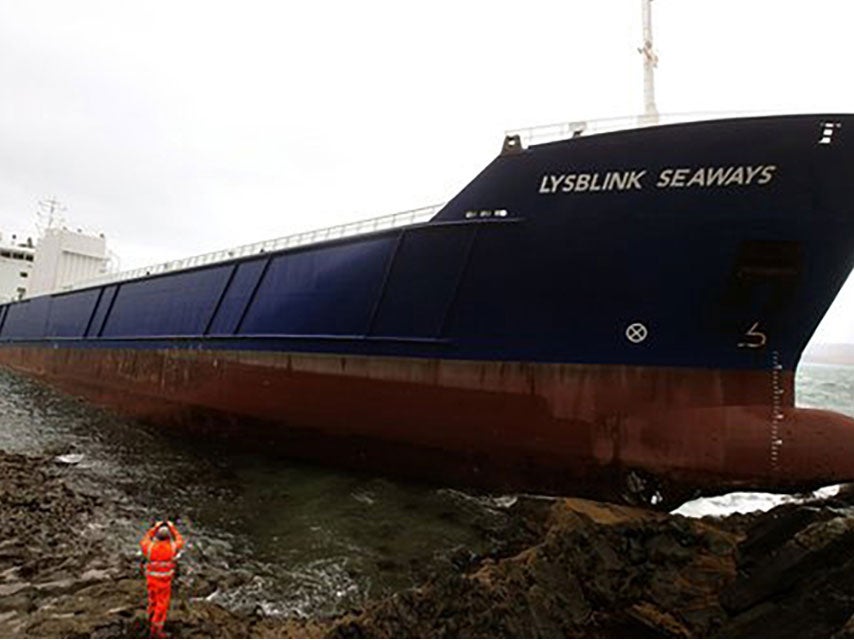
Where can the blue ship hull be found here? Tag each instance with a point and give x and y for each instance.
(712, 247)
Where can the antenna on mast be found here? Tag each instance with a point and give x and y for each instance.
(49, 215)
(650, 61)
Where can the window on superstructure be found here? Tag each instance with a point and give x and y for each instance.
(29, 258)
(5, 254)
(24, 274)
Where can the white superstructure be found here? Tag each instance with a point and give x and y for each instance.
(64, 257)
(16, 267)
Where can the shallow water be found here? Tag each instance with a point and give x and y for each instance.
(313, 540)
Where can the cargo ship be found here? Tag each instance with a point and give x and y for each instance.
(613, 313)
(606, 314)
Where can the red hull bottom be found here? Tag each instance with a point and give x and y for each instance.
(612, 432)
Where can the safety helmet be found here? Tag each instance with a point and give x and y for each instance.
(163, 533)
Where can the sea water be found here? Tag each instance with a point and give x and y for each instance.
(299, 539)
(302, 539)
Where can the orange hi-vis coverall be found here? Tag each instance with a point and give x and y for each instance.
(160, 556)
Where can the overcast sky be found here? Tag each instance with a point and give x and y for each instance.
(178, 128)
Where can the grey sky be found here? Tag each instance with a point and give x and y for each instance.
(182, 127)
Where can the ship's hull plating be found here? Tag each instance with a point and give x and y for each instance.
(540, 427)
(585, 315)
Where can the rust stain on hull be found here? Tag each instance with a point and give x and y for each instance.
(554, 428)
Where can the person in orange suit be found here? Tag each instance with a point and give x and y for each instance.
(160, 546)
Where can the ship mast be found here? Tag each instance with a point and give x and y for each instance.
(650, 61)
(49, 215)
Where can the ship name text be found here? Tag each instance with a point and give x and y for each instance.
(668, 178)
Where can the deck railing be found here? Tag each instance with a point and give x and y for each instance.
(350, 229)
(563, 130)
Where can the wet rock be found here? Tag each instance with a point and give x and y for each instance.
(22, 601)
(603, 570)
(201, 587)
(847, 630)
(560, 568)
(94, 575)
(11, 588)
(801, 586)
(600, 569)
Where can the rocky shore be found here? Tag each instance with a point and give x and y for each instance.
(574, 568)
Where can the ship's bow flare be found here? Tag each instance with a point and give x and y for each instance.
(815, 447)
